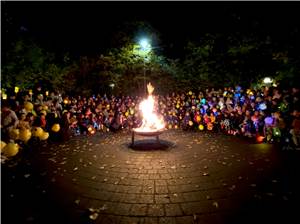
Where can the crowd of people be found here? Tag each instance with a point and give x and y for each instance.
(266, 114)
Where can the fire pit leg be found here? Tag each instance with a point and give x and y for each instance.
(157, 138)
(132, 139)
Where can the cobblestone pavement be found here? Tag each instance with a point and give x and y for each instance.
(190, 177)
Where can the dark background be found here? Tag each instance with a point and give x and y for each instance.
(86, 28)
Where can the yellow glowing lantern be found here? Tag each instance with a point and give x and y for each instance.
(47, 93)
(198, 118)
(37, 131)
(44, 136)
(90, 128)
(28, 106)
(170, 126)
(176, 126)
(66, 101)
(11, 149)
(201, 127)
(190, 93)
(30, 92)
(126, 113)
(177, 106)
(4, 96)
(55, 128)
(14, 134)
(25, 135)
(17, 89)
(131, 111)
(191, 123)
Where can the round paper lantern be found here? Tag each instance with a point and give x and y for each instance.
(276, 132)
(11, 149)
(201, 127)
(55, 128)
(3, 144)
(37, 131)
(28, 106)
(198, 118)
(210, 126)
(259, 139)
(25, 135)
(191, 123)
(190, 92)
(14, 134)
(90, 128)
(262, 106)
(44, 136)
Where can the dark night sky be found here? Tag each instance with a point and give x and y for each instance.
(87, 27)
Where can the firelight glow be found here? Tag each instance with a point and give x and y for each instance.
(152, 122)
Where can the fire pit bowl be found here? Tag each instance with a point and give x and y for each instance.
(146, 133)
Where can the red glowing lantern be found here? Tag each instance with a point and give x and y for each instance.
(260, 139)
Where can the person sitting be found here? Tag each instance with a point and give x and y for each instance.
(9, 120)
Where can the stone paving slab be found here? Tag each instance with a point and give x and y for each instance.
(190, 177)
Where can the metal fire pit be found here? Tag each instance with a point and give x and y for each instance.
(154, 133)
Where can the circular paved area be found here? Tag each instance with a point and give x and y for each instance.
(190, 177)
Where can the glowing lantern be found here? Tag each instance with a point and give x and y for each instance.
(170, 126)
(210, 126)
(28, 106)
(176, 126)
(90, 128)
(3, 144)
(55, 128)
(4, 96)
(25, 135)
(262, 106)
(126, 113)
(47, 93)
(268, 120)
(37, 131)
(177, 106)
(191, 123)
(30, 92)
(131, 111)
(190, 93)
(201, 127)
(17, 89)
(212, 119)
(260, 139)
(276, 132)
(66, 101)
(14, 134)
(198, 118)
(11, 149)
(44, 136)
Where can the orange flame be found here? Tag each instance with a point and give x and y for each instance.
(151, 120)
